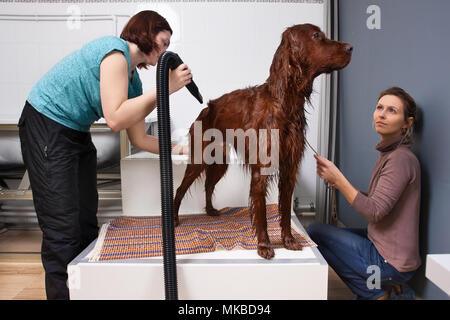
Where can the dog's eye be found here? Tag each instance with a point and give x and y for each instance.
(316, 35)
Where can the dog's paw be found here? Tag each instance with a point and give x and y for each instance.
(265, 251)
(291, 244)
(212, 212)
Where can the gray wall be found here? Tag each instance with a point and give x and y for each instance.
(411, 50)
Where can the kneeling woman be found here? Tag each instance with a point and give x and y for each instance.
(392, 204)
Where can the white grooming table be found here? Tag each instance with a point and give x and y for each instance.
(219, 275)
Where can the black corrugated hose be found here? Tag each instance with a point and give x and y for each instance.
(168, 60)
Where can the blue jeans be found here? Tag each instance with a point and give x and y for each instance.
(356, 260)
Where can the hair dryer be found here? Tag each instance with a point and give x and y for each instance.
(174, 62)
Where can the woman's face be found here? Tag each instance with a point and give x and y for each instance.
(389, 117)
(162, 39)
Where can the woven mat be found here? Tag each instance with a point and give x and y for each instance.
(140, 237)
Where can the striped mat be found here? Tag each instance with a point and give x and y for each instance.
(141, 237)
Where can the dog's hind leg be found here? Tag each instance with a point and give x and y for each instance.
(258, 190)
(193, 171)
(214, 173)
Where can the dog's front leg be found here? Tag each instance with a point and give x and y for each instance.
(258, 197)
(286, 184)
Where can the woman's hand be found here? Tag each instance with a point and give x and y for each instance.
(328, 171)
(331, 174)
(179, 77)
(180, 149)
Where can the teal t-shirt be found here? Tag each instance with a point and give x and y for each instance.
(69, 93)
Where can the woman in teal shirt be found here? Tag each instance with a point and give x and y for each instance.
(99, 80)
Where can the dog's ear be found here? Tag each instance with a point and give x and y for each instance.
(295, 55)
(285, 67)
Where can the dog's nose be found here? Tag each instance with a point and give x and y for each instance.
(348, 48)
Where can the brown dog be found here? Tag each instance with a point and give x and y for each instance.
(304, 53)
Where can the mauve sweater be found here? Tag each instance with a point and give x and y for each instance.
(392, 205)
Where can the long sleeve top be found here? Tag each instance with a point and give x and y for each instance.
(392, 205)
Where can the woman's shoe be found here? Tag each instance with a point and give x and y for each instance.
(405, 294)
(385, 296)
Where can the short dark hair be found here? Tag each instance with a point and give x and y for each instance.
(142, 29)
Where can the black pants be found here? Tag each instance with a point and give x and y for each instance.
(61, 164)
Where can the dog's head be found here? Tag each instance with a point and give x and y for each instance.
(307, 50)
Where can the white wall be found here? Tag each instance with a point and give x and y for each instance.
(228, 45)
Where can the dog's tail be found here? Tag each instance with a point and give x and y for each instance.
(208, 111)
(205, 116)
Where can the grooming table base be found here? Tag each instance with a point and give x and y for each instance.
(235, 274)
